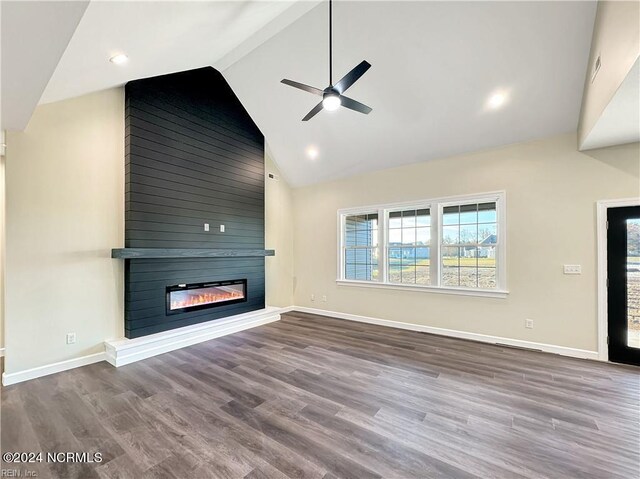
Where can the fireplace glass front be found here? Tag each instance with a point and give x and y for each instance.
(191, 297)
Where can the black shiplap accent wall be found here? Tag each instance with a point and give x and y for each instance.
(193, 156)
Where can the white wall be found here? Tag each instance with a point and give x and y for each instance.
(278, 236)
(616, 38)
(551, 191)
(65, 211)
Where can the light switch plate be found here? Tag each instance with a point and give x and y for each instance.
(572, 269)
(206, 226)
(221, 228)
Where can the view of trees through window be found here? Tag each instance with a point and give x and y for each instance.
(633, 282)
(409, 252)
(469, 242)
(446, 243)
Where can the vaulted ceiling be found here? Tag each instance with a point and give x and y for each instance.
(435, 64)
(56, 50)
(158, 37)
(33, 38)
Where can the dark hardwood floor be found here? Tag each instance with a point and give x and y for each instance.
(311, 396)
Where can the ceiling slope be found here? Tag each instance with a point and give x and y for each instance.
(33, 38)
(620, 121)
(161, 38)
(435, 64)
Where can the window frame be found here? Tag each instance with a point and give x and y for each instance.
(435, 206)
(343, 247)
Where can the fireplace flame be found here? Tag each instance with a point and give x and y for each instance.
(188, 299)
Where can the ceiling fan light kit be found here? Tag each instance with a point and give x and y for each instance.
(332, 96)
(331, 101)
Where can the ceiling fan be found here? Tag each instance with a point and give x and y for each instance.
(332, 96)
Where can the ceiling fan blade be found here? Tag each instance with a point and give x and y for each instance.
(302, 86)
(352, 77)
(313, 112)
(354, 105)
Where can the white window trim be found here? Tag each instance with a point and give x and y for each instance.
(435, 205)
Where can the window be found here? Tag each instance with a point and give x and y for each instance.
(409, 238)
(361, 247)
(454, 245)
(469, 242)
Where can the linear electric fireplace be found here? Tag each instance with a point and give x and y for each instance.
(192, 297)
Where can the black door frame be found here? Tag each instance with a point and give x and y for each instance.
(616, 292)
(602, 208)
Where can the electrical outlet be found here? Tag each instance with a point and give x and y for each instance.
(572, 269)
(206, 226)
(324, 298)
(313, 297)
(71, 338)
(528, 323)
(221, 228)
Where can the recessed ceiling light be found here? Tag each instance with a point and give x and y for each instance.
(497, 100)
(312, 152)
(119, 59)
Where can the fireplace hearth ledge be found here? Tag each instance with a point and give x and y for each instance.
(120, 352)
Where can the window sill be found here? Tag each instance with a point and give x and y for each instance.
(487, 293)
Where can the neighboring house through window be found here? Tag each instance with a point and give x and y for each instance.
(454, 244)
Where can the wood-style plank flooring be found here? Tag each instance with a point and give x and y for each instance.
(316, 397)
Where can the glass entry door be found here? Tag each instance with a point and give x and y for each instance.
(623, 274)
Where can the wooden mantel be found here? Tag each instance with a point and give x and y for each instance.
(136, 253)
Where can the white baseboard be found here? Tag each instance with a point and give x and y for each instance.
(548, 348)
(27, 374)
(125, 351)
